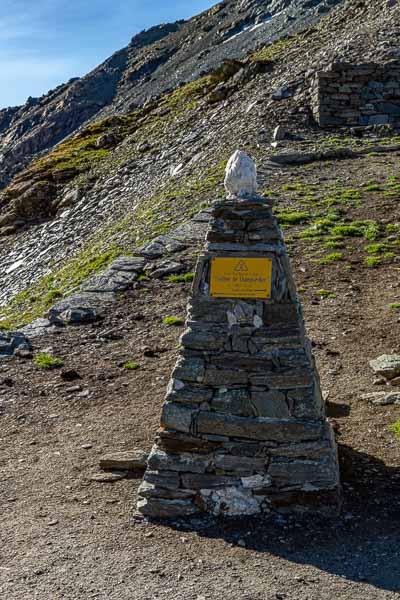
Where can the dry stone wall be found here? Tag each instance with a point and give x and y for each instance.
(243, 428)
(351, 95)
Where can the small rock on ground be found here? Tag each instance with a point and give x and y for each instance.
(387, 365)
(109, 477)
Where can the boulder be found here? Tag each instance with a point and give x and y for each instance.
(38, 327)
(387, 365)
(108, 140)
(12, 342)
(78, 316)
(283, 93)
(166, 267)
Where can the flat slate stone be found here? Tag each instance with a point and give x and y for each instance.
(279, 430)
(150, 490)
(384, 399)
(163, 508)
(177, 417)
(166, 267)
(130, 460)
(163, 244)
(129, 263)
(190, 369)
(168, 480)
(160, 460)
(270, 404)
(109, 477)
(194, 481)
(318, 473)
(234, 402)
(110, 281)
(84, 300)
(189, 394)
(38, 327)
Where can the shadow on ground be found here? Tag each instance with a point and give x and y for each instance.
(362, 545)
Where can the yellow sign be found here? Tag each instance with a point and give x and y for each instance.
(241, 277)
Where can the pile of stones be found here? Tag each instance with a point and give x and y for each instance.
(365, 94)
(243, 428)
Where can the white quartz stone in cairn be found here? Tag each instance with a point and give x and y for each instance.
(240, 176)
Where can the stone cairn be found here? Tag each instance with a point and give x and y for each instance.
(243, 427)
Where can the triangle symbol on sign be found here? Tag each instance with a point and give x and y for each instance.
(241, 266)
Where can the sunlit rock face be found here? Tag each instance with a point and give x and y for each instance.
(240, 175)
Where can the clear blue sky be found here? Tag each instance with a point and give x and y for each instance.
(45, 42)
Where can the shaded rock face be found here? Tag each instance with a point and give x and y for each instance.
(243, 428)
(155, 61)
(12, 343)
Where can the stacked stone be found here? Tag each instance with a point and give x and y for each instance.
(243, 428)
(351, 95)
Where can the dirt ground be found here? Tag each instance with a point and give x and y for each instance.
(65, 536)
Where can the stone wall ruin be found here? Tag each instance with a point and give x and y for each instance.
(356, 95)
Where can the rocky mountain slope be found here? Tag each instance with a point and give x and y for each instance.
(126, 178)
(155, 61)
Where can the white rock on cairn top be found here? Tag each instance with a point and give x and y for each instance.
(240, 175)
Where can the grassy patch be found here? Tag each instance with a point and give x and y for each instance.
(52, 296)
(326, 294)
(46, 361)
(273, 51)
(372, 261)
(330, 258)
(395, 428)
(187, 96)
(368, 229)
(388, 255)
(173, 321)
(292, 217)
(131, 366)
(185, 278)
(376, 248)
(394, 306)
(393, 229)
(333, 244)
(372, 188)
